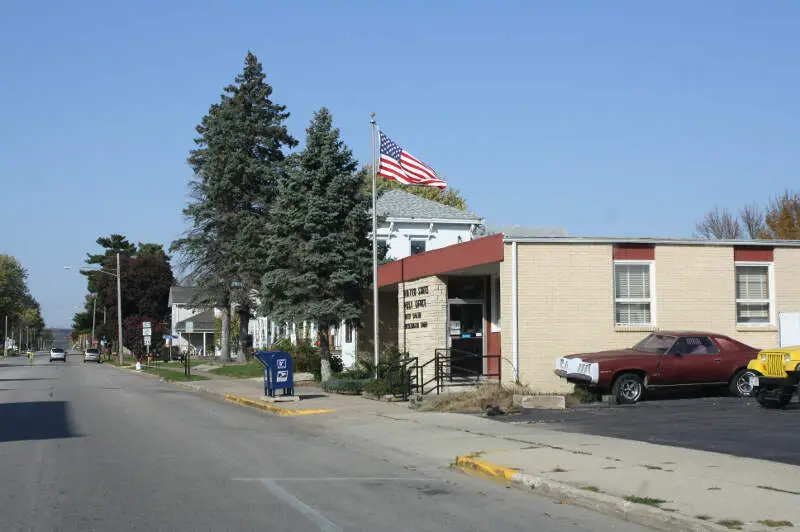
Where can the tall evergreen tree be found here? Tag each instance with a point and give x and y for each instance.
(316, 246)
(236, 165)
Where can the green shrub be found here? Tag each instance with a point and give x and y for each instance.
(345, 386)
(284, 344)
(356, 373)
(377, 387)
(380, 387)
(306, 362)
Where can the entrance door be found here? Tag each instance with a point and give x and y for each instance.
(465, 331)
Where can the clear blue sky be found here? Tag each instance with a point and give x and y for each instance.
(606, 117)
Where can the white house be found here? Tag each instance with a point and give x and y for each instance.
(194, 328)
(408, 225)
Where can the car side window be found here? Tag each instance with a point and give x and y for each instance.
(694, 345)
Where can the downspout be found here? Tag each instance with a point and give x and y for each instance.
(514, 312)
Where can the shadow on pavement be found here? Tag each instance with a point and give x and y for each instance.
(44, 420)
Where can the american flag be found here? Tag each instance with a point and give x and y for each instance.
(396, 163)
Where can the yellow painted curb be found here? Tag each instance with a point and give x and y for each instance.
(469, 463)
(272, 408)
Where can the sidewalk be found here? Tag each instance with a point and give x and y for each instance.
(666, 488)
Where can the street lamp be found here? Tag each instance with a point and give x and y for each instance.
(119, 304)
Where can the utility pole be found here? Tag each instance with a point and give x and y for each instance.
(94, 307)
(119, 310)
(5, 339)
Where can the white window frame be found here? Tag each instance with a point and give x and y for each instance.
(770, 300)
(651, 300)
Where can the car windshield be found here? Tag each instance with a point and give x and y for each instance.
(92, 351)
(656, 343)
(57, 350)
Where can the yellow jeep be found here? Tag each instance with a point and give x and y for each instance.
(779, 370)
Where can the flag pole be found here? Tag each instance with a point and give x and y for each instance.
(375, 334)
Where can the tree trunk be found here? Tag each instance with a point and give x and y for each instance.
(244, 325)
(225, 335)
(324, 351)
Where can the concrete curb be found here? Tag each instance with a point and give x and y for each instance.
(261, 405)
(649, 516)
(272, 409)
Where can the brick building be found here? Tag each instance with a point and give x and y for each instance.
(527, 299)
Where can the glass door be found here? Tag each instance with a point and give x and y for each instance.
(465, 332)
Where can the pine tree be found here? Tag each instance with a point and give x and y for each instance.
(318, 255)
(236, 164)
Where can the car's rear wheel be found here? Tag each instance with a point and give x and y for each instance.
(740, 383)
(628, 389)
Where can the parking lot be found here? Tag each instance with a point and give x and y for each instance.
(729, 425)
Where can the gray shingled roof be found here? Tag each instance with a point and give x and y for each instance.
(203, 322)
(401, 204)
(180, 295)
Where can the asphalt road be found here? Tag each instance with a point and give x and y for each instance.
(85, 447)
(728, 425)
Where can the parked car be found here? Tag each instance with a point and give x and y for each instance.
(663, 360)
(778, 376)
(57, 353)
(91, 355)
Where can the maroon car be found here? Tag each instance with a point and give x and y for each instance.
(663, 360)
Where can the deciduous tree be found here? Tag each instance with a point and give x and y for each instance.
(753, 220)
(782, 219)
(13, 288)
(719, 224)
(146, 277)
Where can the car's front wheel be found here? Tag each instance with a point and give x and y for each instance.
(628, 389)
(740, 385)
(771, 401)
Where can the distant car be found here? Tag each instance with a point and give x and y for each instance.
(91, 355)
(663, 360)
(58, 354)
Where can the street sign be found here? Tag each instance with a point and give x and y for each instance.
(147, 341)
(145, 325)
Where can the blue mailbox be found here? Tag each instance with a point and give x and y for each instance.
(278, 372)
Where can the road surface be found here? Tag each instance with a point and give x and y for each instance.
(86, 447)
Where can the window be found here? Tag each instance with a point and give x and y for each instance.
(694, 345)
(656, 343)
(348, 333)
(417, 246)
(633, 303)
(753, 294)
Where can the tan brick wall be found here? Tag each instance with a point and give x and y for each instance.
(787, 280)
(422, 341)
(696, 289)
(566, 301)
(565, 306)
